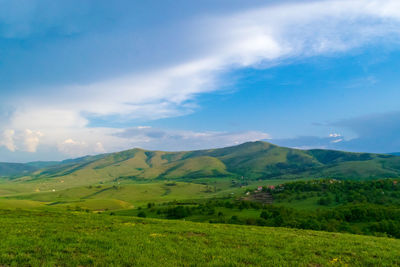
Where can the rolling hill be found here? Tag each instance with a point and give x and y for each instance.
(252, 160)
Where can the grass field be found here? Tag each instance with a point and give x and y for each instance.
(95, 225)
(121, 195)
(43, 238)
(135, 194)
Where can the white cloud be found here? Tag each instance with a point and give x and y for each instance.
(99, 148)
(72, 147)
(76, 148)
(46, 116)
(28, 140)
(8, 140)
(304, 29)
(31, 140)
(259, 37)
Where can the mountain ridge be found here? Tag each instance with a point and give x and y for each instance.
(252, 160)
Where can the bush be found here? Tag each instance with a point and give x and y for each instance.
(178, 212)
(142, 214)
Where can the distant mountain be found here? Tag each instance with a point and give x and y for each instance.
(23, 169)
(15, 169)
(252, 160)
(42, 164)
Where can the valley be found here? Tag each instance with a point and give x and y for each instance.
(258, 189)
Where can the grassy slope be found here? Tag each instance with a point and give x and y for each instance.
(48, 239)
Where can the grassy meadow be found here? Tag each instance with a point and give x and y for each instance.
(100, 225)
(50, 238)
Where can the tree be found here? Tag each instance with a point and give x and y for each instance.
(266, 214)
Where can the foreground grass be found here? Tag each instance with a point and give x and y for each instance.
(40, 238)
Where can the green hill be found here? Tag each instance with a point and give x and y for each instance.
(252, 160)
(47, 238)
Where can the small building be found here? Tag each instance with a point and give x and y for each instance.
(260, 188)
(271, 187)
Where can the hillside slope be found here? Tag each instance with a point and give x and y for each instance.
(252, 160)
(79, 239)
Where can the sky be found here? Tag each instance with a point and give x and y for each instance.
(97, 76)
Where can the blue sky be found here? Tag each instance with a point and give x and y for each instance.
(90, 77)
